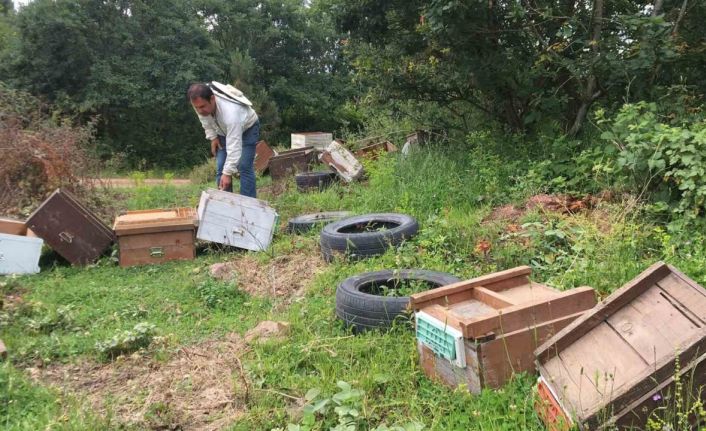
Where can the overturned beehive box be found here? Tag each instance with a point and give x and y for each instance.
(478, 332)
(292, 162)
(263, 154)
(372, 151)
(619, 362)
(236, 220)
(70, 228)
(342, 161)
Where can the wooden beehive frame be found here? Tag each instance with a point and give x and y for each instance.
(498, 310)
(642, 300)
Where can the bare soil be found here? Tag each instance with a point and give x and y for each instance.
(283, 276)
(203, 387)
(563, 204)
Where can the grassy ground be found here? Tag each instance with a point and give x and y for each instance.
(55, 319)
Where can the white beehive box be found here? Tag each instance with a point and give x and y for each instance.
(19, 254)
(342, 161)
(233, 219)
(318, 140)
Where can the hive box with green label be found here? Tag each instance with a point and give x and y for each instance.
(477, 333)
(156, 236)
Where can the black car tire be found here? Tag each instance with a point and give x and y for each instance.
(362, 311)
(348, 236)
(306, 222)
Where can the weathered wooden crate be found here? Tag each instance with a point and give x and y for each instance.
(618, 362)
(12, 226)
(497, 321)
(318, 140)
(236, 220)
(156, 236)
(70, 228)
(374, 150)
(263, 154)
(342, 161)
(289, 163)
(19, 254)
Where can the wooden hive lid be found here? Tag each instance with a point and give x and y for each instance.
(12, 226)
(155, 220)
(624, 347)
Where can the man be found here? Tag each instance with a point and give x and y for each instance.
(233, 128)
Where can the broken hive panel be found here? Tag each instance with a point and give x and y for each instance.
(529, 292)
(601, 359)
(652, 326)
(693, 298)
(607, 307)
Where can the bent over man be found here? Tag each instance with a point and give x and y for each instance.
(233, 128)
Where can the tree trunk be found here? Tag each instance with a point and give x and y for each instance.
(590, 94)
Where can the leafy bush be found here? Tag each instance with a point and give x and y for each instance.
(665, 158)
(127, 341)
(40, 153)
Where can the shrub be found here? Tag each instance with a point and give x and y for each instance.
(205, 173)
(663, 157)
(40, 153)
(127, 341)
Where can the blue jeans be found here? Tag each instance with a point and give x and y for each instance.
(246, 165)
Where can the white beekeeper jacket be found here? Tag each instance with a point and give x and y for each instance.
(231, 119)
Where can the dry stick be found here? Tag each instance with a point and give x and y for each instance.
(244, 380)
(279, 393)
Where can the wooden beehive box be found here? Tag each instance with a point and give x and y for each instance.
(617, 363)
(236, 220)
(496, 321)
(289, 163)
(374, 150)
(19, 254)
(263, 154)
(69, 228)
(156, 236)
(12, 226)
(318, 140)
(342, 161)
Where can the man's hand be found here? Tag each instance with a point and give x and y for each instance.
(215, 146)
(226, 181)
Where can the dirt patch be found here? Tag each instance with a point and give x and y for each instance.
(563, 204)
(283, 276)
(203, 387)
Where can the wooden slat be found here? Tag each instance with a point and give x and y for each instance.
(650, 377)
(494, 299)
(512, 353)
(508, 283)
(418, 300)
(602, 311)
(529, 292)
(441, 314)
(652, 325)
(524, 315)
(689, 297)
(12, 227)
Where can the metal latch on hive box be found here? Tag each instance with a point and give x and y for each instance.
(441, 338)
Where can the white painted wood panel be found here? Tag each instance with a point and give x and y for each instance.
(318, 140)
(19, 254)
(232, 219)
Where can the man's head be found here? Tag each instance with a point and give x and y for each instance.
(202, 99)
